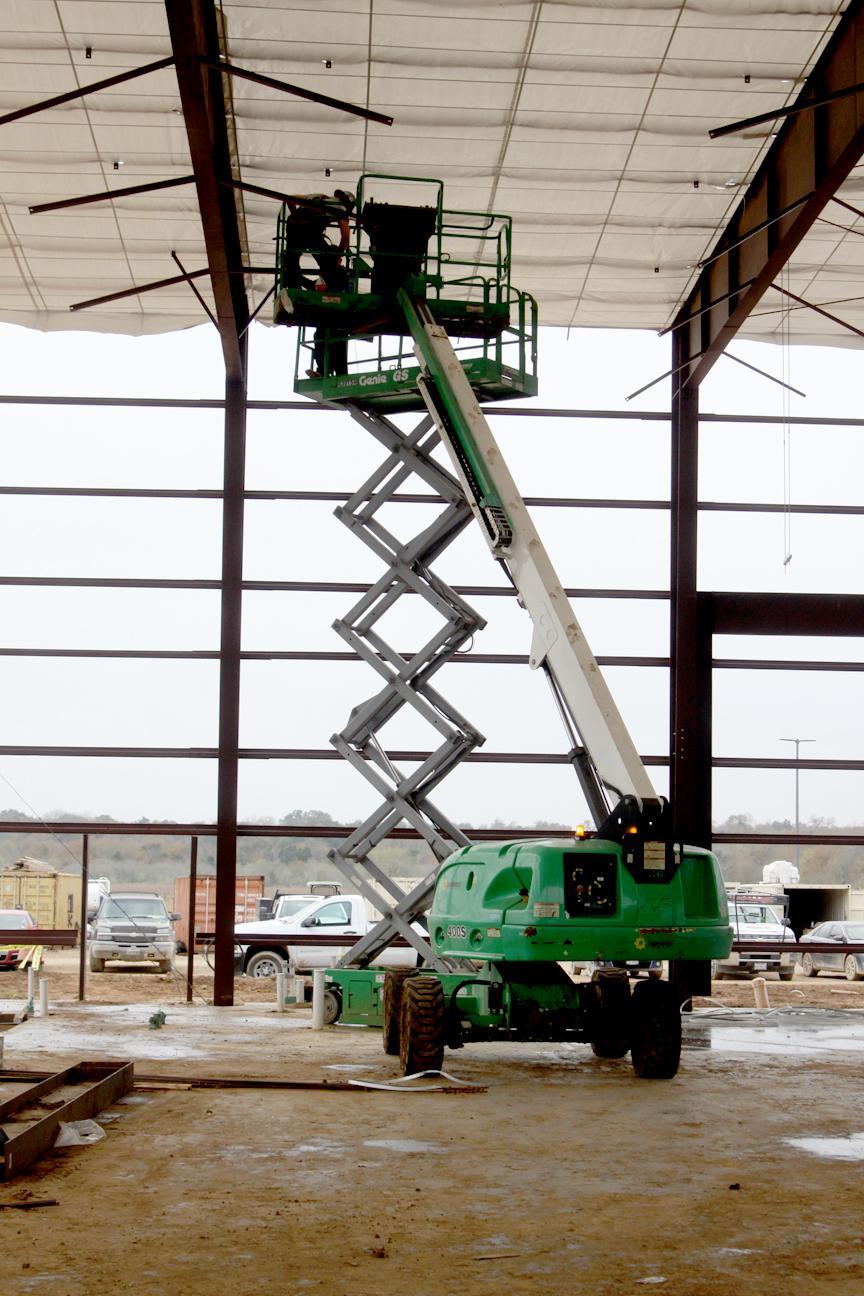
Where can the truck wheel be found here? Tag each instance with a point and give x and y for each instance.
(655, 1041)
(850, 967)
(421, 1025)
(332, 1006)
(391, 1009)
(97, 964)
(165, 965)
(786, 974)
(807, 966)
(613, 1023)
(266, 963)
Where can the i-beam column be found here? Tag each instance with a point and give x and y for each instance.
(194, 33)
(234, 482)
(690, 639)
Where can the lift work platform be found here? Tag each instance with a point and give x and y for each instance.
(457, 262)
(501, 918)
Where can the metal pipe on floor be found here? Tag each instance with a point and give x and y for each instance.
(190, 925)
(82, 956)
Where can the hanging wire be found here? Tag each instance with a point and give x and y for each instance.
(786, 350)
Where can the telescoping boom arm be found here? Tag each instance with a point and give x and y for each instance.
(604, 755)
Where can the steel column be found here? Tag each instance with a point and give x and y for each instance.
(82, 953)
(190, 925)
(233, 486)
(689, 642)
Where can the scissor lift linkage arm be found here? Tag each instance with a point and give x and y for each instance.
(604, 755)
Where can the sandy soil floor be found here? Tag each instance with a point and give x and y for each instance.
(567, 1175)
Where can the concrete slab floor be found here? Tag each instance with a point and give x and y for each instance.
(568, 1175)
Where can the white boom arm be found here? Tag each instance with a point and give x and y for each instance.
(558, 644)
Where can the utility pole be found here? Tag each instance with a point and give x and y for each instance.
(797, 742)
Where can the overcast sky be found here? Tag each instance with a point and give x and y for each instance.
(50, 700)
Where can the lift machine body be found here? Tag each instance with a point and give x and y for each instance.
(505, 917)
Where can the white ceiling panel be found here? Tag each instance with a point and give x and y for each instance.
(588, 122)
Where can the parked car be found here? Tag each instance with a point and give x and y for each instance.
(844, 933)
(756, 921)
(343, 915)
(13, 920)
(133, 927)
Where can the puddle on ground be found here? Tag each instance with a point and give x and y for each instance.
(403, 1145)
(796, 1033)
(850, 1148)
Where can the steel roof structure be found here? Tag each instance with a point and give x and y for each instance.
(588, 122)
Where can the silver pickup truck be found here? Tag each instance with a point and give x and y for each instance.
(131, 927)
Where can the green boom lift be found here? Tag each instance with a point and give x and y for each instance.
(505, 917)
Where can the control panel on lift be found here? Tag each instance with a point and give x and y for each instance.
(590, 884)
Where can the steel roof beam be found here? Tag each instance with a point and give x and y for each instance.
(814, 152)
(195, 42)
(784, 614)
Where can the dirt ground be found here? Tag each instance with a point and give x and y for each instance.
(566, 1175)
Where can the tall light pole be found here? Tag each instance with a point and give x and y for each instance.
(797, 742)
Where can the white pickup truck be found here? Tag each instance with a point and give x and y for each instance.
(757, 921)
(334, 915)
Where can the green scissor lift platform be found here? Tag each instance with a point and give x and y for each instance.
(457, 262)
(503, 917)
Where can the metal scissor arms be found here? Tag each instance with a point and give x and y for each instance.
(406, 681)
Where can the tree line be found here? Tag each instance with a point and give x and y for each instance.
(149, 860)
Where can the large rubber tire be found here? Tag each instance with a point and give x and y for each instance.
(421, 1025)
(807, 966)
(850, 967)
(655, 1033)
(332, 1006)
(265, 963)
(613, 993)
(97, 964)
(391, 1009)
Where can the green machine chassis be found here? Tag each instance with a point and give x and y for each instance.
(514, 912)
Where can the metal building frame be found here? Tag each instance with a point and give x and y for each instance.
(821, 140)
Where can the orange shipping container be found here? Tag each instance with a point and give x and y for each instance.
(248, 890)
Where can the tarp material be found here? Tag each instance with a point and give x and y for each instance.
(587, 122)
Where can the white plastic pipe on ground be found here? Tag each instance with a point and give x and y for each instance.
(31, 988)
(281, 978)
(760, 992)
(43, 996)
(318, 975)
